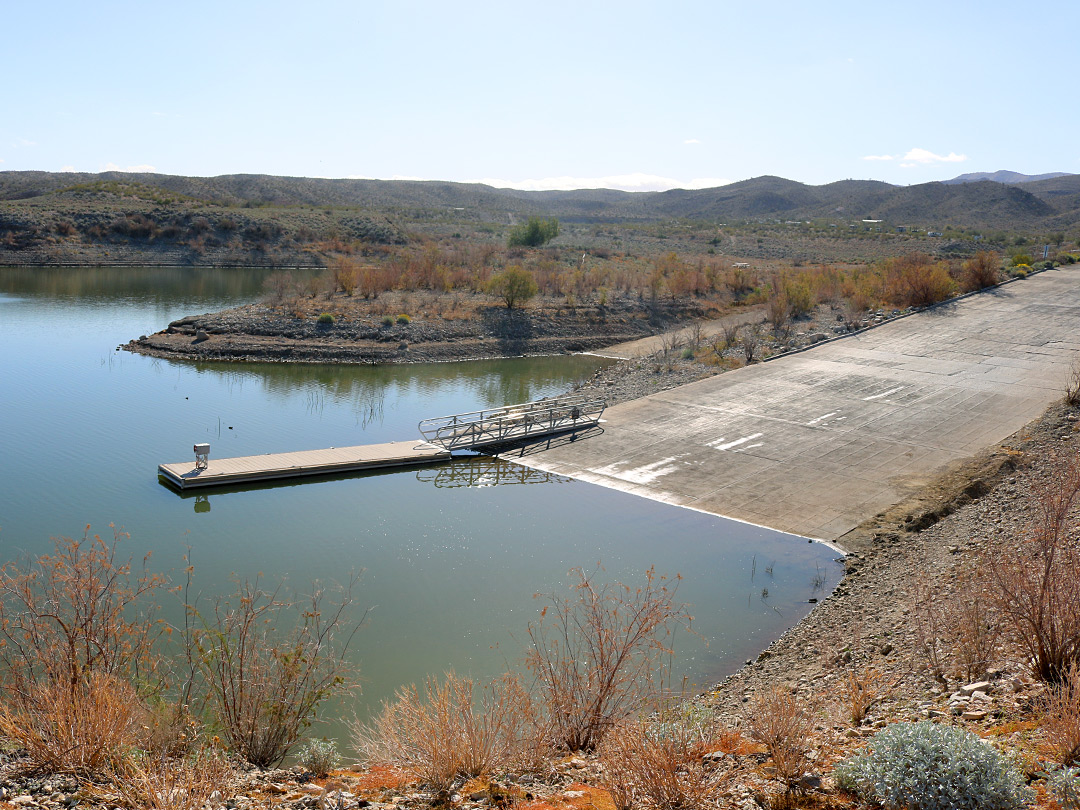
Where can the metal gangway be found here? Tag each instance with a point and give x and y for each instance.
(513, 423)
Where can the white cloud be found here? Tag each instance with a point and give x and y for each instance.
(916, 157)
(636, 181)
(926, 156)
(141, 167)
(691, 140)
(67, 168)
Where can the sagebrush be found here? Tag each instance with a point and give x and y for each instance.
(928, 766)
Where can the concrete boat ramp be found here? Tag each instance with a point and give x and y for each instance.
(817, 442)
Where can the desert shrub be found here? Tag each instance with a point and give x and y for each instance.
(601, 654)
(1064, 784)
(326, 318)
(79, 611)
(781, 722)
(1059, 717)
(404, 320)
(687, 353)
(1021, 260)
(319, 756)
(750, 341)
(918, 281)
(387, 321)
(927, 766)
(451, 731)
(800, 297)
(1072, 385)
(514, 286)
(661, 762)
(1036, 582)
(535, 232)
(982, 270)
(1021, 271)
(265, 682)
(778, 311)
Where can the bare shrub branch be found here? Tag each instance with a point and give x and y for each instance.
(600, 655)
(264, 688)
(1036, 586)
(78, 611)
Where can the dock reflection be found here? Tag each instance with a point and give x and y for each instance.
(485, 471)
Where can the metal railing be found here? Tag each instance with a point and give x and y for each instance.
(512, 423)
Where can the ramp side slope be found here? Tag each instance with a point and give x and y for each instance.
(814, 443)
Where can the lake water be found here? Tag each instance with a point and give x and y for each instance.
(452, 555)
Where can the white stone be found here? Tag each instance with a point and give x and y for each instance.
(978, 686)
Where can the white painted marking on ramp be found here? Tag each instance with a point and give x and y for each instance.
(640, 475)
(718, 446)
(884, 393)
(826, 416)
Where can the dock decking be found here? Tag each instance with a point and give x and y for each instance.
(222, 471)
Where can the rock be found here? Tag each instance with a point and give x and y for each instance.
(200, 336)
(978, 686)
(974, 714)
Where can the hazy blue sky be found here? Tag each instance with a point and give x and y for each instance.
(545, 94)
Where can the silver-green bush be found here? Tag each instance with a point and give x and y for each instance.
(319, 756)
(927, 766)
(1064, 783)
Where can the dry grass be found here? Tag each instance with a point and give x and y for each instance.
(781, 722)
(660, 762)
(1058, 713)
(860, 690)
(86, 730)
(451, 731)
(165, 783)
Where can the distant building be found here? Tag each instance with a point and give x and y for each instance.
(901, 228)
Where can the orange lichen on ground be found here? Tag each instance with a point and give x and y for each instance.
(575, 797)
(380, 777)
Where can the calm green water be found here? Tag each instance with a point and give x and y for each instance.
(452, 555)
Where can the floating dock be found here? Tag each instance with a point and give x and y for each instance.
(244, 469)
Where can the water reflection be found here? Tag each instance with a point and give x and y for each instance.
(160, 285)
(485, 471)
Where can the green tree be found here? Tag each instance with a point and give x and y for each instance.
(534, 233)
(514, 285)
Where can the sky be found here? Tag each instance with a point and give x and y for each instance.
(585, 94)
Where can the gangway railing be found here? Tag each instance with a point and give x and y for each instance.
(512, 423)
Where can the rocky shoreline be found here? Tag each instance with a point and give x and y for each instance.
(254, 333)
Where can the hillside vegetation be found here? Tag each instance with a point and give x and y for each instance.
(122, 218)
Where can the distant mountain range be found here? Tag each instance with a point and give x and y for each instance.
(999, 200)
(1005, 176)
